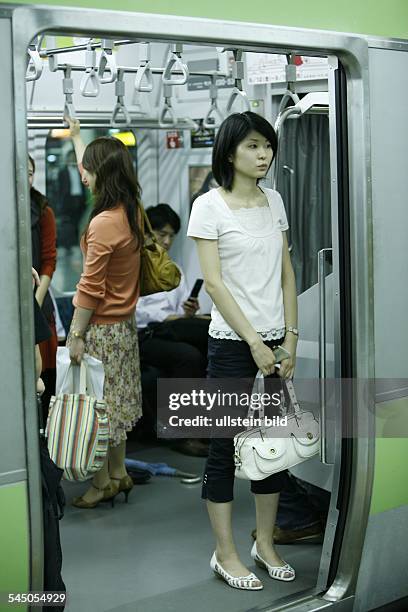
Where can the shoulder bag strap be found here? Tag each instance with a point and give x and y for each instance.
(146, 227)
(291, 392)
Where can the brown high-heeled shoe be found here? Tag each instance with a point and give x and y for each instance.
(125, 485)
(109, 493)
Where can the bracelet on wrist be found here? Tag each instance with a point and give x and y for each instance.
(77, 334)
(292, 330)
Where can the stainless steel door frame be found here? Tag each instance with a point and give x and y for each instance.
(352, 51)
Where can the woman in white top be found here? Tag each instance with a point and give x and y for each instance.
(239, 230)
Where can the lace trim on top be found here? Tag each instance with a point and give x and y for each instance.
(272, 334)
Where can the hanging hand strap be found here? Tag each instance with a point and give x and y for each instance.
(107, 70)
(175, 61)
(144, 70)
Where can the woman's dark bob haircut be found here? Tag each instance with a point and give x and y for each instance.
(232, 131)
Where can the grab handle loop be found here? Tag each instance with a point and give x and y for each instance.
(144, 70)
(89, 86)
(68, 90)
(237, 94)
(34, 65)
(120, 116)
(108, 70)
(175, 62)
(167, 117)
(214, 110)
(119, 111)
(238, 74)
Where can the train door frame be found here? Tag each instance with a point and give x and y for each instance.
(352, 51)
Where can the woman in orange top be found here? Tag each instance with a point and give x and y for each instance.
(44, 257)
(103, 324)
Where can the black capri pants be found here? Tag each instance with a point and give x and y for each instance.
(232, 359)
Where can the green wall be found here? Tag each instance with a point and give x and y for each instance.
(390, 488)
(14, 538)
(387, 18)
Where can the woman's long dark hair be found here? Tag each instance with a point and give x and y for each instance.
(116, 182)
(37, 197)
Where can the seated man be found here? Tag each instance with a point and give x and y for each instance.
(172, 337)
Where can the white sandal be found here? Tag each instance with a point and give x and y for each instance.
(279, 572)
(237, 582)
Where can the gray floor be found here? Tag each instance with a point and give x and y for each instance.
(152, 554)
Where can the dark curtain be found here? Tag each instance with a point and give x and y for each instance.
(304, 183)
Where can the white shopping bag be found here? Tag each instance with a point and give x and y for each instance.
(70, 383)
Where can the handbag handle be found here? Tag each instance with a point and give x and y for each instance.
(85, 382)
(83, 371)
(259, 388)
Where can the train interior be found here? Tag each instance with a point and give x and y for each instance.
(165, 102)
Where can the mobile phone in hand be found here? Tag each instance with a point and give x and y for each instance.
(196, 289)
(280, 353)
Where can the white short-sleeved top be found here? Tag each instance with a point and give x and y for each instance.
(250, 250)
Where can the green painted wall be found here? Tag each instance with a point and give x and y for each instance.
(390, 489)
(14, 534)
(387, 18)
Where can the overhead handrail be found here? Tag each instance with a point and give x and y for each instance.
(89, 86)
(120, 109)
(305, 104)
(144, 70)
(214, 110)
(34, 63)
(107, 70)
(167, 110)
(175, 61)
(237, 92)
(95, 119)
(314, 98)
(290, 110)
(68, 90)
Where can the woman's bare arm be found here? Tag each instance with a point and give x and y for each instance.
(290, 310)
(77, 141)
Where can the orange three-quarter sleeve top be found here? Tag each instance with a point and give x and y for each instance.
(109, 284)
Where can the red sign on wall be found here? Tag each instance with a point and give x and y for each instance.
(174, 140)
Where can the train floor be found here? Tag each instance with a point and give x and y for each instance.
(152, 554)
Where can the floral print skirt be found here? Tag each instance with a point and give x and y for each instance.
(116, 345)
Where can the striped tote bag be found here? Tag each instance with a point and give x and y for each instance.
(78, 431)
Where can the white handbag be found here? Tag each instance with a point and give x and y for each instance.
(263, 451)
